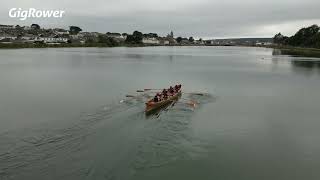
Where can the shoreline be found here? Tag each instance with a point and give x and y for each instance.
(30, 46)
(298, 50)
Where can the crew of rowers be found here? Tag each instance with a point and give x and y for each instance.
(166, 93)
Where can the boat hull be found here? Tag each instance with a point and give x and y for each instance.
(154, 107)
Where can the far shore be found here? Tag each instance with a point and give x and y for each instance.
(289, 50)
(24, 46)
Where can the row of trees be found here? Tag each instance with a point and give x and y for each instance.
(137, 36)
(305, 37)
(180, 39)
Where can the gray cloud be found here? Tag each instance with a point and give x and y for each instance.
(199, 18)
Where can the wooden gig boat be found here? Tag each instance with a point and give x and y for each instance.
(152, 106)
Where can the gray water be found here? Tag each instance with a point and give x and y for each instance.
(64, 114)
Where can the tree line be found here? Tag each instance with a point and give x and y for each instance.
(306, 37)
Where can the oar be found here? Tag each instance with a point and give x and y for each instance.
(194, 93)
(130, 95)
(144, 90)
(151, 89)
(188, 103)
(189, 100)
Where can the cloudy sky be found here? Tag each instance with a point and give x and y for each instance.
(198, 18)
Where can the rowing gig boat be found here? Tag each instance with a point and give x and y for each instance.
(152, 106)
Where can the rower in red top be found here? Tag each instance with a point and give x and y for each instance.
(164, 91)
(156, 99)
(171, 90)
(177, 88)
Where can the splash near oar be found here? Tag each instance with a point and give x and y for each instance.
(130, 95)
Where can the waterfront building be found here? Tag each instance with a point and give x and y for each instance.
(3, 27)
(150, 41)
(116, 36)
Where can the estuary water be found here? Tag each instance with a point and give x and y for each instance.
(64, 114)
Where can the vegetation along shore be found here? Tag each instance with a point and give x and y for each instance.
(305, 42)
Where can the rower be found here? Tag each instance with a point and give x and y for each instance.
(176, 87)
(164, 91)
(165, 96)
(171, 90)
(159, 97)
(155, 99)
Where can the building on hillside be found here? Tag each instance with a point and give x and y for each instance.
(51, 40)
(199, 42)
(185, 41)
(60, 31)
(116, 36)
(150, 41)
(90, 36)
(163, 41)
(26, 38)
(6, 26)
(26, 28)
(7, 37)
(170, 38)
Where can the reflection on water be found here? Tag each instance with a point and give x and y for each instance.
(301, 65)
(64, 115)
(306, 64)
(155, 142)
(297, 52)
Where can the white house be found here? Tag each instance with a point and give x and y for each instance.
(7, 36)
(150, 41)
(61, 31)
(50, 40)
(6, 26)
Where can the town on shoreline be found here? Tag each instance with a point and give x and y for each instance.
(16, 36)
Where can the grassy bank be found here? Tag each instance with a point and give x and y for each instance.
(298, 51)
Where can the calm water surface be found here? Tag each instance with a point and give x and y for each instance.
(64, 114)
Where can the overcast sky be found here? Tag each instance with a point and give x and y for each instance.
(198, 18)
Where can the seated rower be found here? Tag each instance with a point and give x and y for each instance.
(156, 99)
(164, 91)
(159, 97)
(165, 96)
(171, 90)
(176, 88)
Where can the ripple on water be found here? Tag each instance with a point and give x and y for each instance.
(164, 139)
(170, 136)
